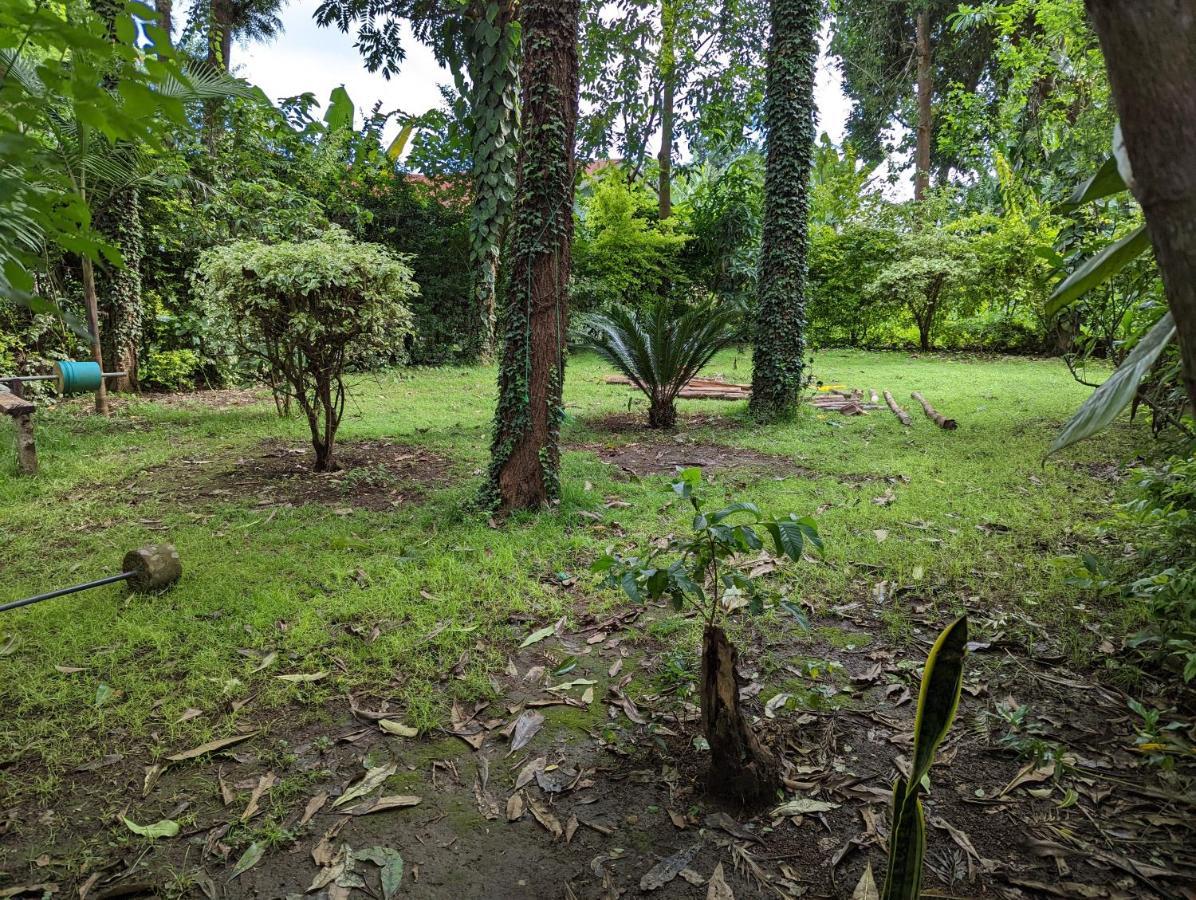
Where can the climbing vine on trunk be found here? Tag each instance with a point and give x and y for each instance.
(492, 51)
(779, 345)
(525, 455)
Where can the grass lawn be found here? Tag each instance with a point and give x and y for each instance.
(394, 587)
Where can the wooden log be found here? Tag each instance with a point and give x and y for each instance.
(933, 414)
(875, 399)
(900, 413)
(26, 447)
(21, 411)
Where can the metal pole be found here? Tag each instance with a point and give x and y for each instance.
(111, 579)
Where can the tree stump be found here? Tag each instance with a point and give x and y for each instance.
(740, 767)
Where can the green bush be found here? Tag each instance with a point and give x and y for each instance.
(622, 252)
(310, 311)
(1163, 515)
(169, 370)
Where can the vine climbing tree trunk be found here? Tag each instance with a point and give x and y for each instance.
(492, 48)
(668, 81)
(119, 288)
(525, 455)
(779, 339)
(925, 110)
(1150, 52)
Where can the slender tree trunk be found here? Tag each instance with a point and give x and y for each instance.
(220, 42)
(739, 766)
(166, 18)
(925, 110)
(120, 288)
(493, 52)
(668, 79)
(778, 363)
(93, 328)
(525, 454)
(1150, 52)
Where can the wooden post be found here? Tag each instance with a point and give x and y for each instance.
(933, 414)
(21, 411)
(900, 413)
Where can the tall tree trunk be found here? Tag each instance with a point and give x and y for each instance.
(739, 766)
(166, 18)
(93, 329)
(525, 454)
(668, 80)
(779, 340)
(220, 42)
(925, 110)
(120, 288)
(493, 51)
(1150, 52)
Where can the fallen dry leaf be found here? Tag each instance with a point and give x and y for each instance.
(211, 747)
(718, 888)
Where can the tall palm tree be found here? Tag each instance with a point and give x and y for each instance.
(525, 455)
(779, 341)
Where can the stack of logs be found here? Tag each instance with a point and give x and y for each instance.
(849, 403)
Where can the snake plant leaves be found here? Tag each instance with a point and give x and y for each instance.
(907, 845)
(938, 700)
(1118, 390)
(1099, 269)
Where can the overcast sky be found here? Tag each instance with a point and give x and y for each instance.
(310, 58)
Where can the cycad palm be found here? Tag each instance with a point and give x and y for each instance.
(659, 348)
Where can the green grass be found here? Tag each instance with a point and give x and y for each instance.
(975, 523)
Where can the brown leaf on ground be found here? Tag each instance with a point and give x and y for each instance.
(382, 804)
(545, 817)
(211, 747)
(264, 783)
(526, 727)
(718, 888)
(314, 805)
(515, 807)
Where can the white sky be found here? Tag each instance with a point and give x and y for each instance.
(310, 58)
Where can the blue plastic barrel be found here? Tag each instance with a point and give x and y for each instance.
(77, 377)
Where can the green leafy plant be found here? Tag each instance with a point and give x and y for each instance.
(309, 310)
(702, 570)
(938, 701)
(660, 349)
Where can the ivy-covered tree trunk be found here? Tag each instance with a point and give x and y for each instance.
(119, 289)
(925, 110)
(668, 102)
(779, 340)
(1150, 52)
(525, 454)
(492, 47)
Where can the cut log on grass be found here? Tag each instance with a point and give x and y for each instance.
(740, 768)
(933, 414)
(21, 411)
(875, 399)
(900, 413)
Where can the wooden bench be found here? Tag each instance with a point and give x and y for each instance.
(21, 412)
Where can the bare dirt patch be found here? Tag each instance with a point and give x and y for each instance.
(665, 458)
(637, 423)
(375, 475)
